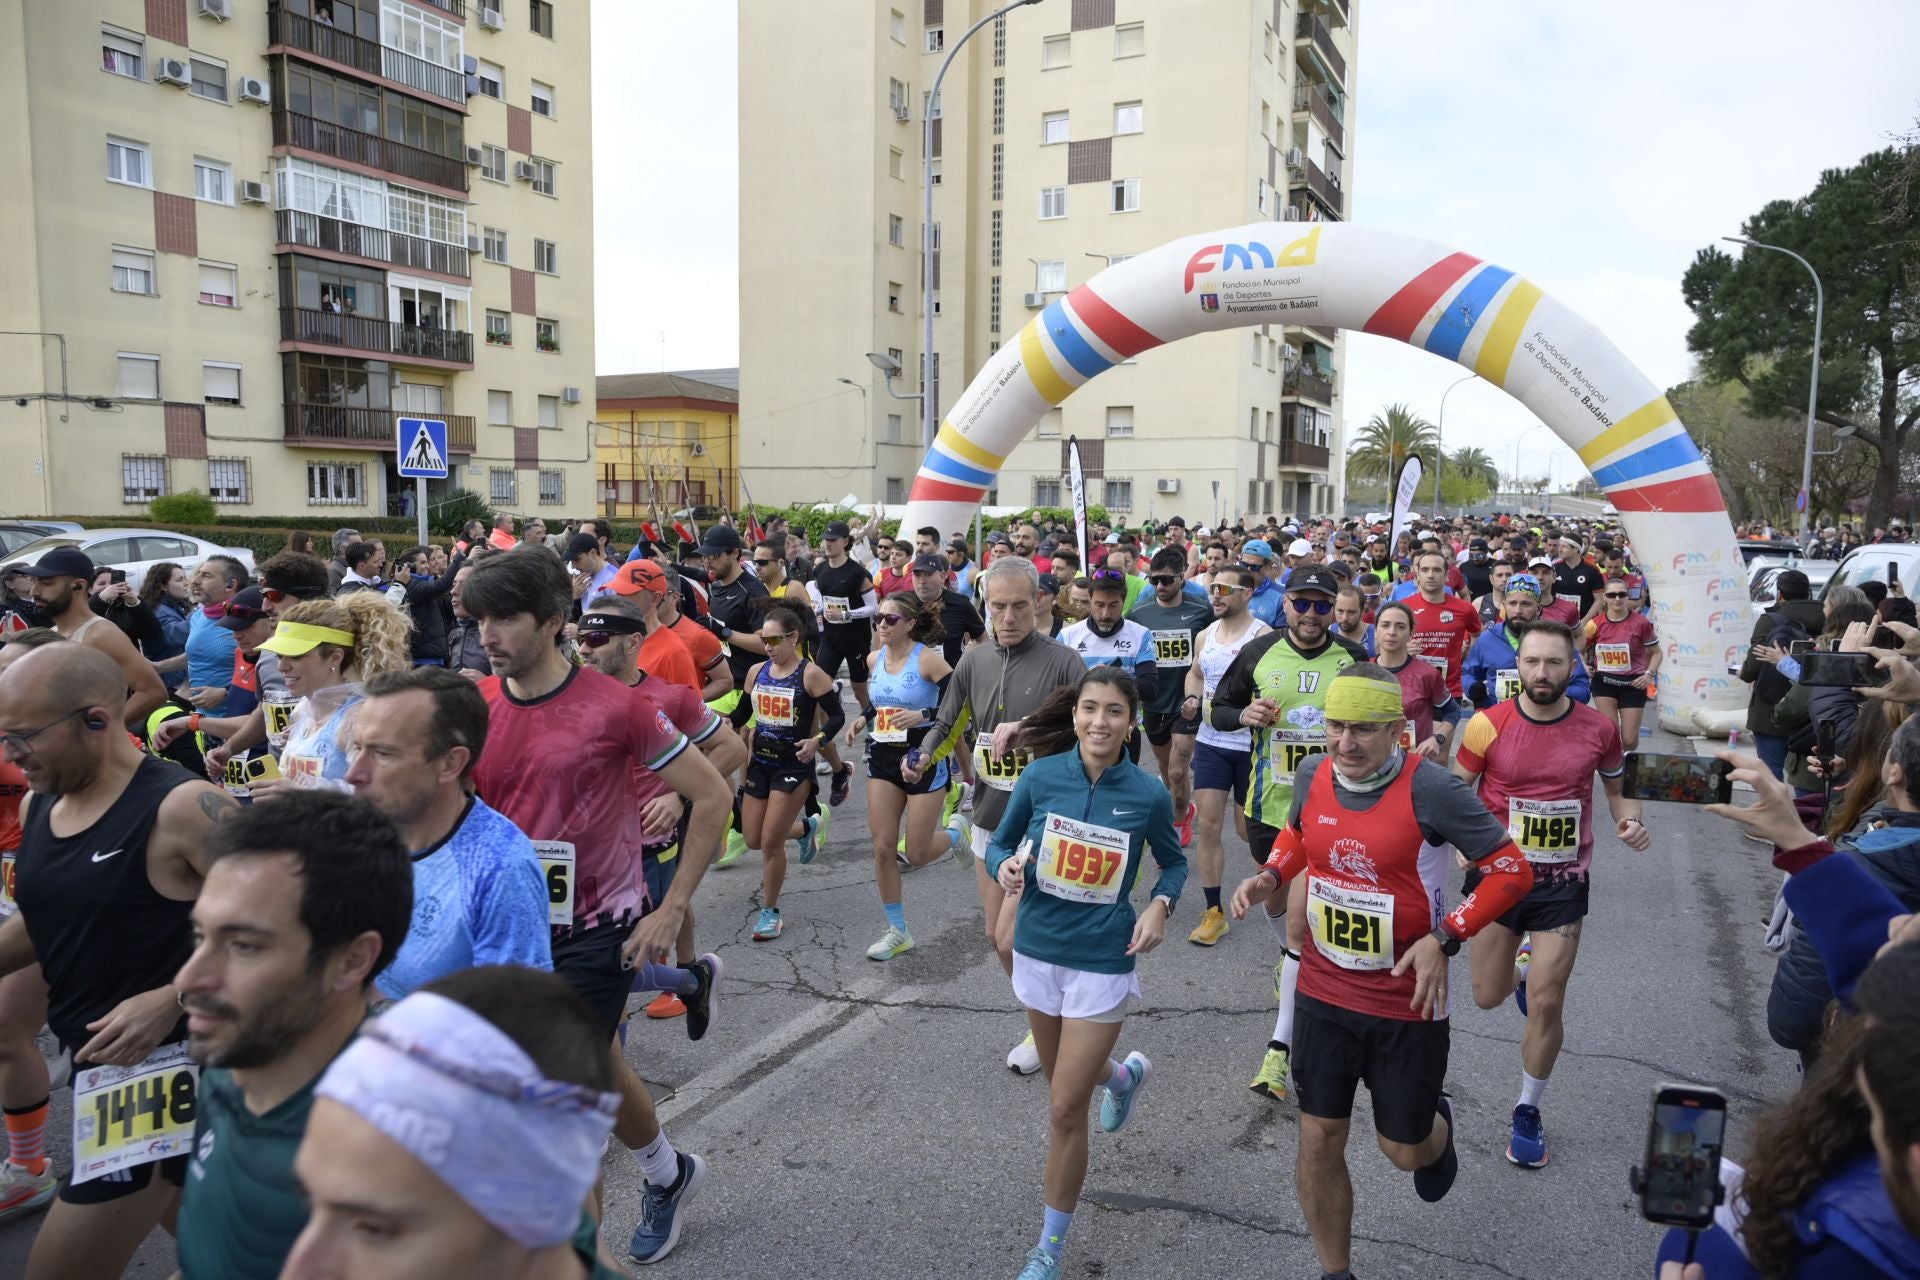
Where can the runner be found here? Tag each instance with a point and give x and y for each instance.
(908, 677)
(305, 901)
(960, 624)
(709, 655)
(1491, 672)
(1172, 619)
(1432, 712)
(61, 582)
(27, 1182)
(1368, 825)
(641, 587)
(1533, 760)
(327, 648)
(112, 854)
(1553, 606)
(731, 614)
(1350, 617)
(1278, 686)
(1106, 638)
(844, 597)
(1626, 659)
(1491, 604)
(1443, 624)
(1222, 759)
(993, 686)
(1090, 816)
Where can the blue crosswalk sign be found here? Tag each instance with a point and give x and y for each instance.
(423, 448)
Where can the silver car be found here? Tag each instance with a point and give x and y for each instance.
(135, 550)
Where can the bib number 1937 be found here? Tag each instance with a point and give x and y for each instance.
(126, 1116)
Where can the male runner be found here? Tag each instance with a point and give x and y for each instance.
(1491, 604)
(1277, 687)
(1105, 638)
(1172, 619)
(1350, 617)
(642, 584)
(305, 901)
(1533, 760)
(61, 582)
(709, 655)
(112, 854)
(1369, 825)
(959, 619)
(1222, 759)
(1443, 623)
(843, 596)
(730, 612)
(1491, 672)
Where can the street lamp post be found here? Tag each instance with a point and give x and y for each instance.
(929, 404)
(1439, 440)
(1518, 441)
(1813, 390)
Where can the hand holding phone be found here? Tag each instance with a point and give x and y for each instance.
(1822, 670)
(1677, 779)
(1679, 1185)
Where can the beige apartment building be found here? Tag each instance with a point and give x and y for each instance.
(247, 236)
(1069, 135)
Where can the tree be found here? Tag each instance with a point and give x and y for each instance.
(1474, 462)
(1389, 439)
(1753, 316)
(1757, 460)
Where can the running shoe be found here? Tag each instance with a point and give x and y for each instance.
(1185, 825)
(810, 837)
(1520, 963)
(766, 925)
(822, 767)
(1279, 971)
(894, 942)
(22, 1193)
(1115, 1110)
(1025, 1058)
(660, 1207)
(1271, 1082)
(1435, 1180)
(900, 854)
(826, 817)
(951, 805)
(1528, 1149)
(962, 830)
(700, 1004)
(1041, 1265)
(666, 1005)
(966, 797)
(1212, 927)
(842, 784)
(736, 849)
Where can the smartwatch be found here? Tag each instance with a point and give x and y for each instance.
(1165, 901)
(1448, 943)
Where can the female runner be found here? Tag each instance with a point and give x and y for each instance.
(1432, 712)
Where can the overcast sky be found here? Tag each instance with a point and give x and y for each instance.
(1593, 148)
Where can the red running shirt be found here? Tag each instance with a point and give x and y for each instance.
(689, 715)
(1421, 689)
(1620, 648)
(702, 645)
(1537, 777)
(1441, 633)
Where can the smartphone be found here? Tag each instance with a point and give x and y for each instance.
(1840, 670)
(1678, 779)
(263, 767)
(1823, 743)
(1680, 1183)
(1798, 647)
(116, 576)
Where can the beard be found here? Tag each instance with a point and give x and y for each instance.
(263, 1038)
(1545, 693)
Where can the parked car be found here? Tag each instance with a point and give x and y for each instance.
(1889, 562)
(135, 550)
(18, 533)
(1752, 549)
(1763, 574)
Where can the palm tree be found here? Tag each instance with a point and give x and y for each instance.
(1389, 439)
(1473, 461)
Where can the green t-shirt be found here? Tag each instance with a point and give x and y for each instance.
(242, 1208)
(1270, 667)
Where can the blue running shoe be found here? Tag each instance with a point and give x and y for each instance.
(766, 925)
(660, 1207)
(1435, 1180)
(1115, 1110)
(809, 839)
(1528, 1149)
(1041, 1265)
(1520, 965)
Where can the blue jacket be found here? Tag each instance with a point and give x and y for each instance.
(1493, 653)
(1080, 935)
(1265, 604)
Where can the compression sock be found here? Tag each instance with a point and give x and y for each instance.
(1213, 897)
(1278, 923)
(1053, 1231)
(1289, 983)
(666, 977)
(1531, 1087)
(27, 1137)
(659, 1162)
(1120, 1079)
(896, 914)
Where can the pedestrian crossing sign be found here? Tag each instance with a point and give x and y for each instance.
(423, 448)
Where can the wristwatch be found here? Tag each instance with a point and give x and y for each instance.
(1448, 943)
(1165, 901)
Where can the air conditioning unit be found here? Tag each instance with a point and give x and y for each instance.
(255, 90)
(493, 20)
(1035, 300)
(524, 170)
(1288, 351)
(698, 449)
(475, 244)
(1291, 214)
(571, 395)
(1166, 486)
(172, 71)
(218, 10)
(900, 111)
(1293, 157)
(253, 193)
(475, 157)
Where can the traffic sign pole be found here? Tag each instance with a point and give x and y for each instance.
(420, 507)
(422, 445)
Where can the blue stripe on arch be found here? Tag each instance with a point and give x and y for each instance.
(1674, 451)
(1068, 339)
(1464, 311)
(940, 464)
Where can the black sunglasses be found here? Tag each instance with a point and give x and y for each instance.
(1301, 605)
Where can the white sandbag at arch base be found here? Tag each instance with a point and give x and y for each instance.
(1484, 317)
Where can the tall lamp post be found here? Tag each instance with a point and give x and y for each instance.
(1439, 442)
(929, 404)
(1813, 390)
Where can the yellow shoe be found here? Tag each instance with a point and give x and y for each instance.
(1272, 1080)
(1212, 927)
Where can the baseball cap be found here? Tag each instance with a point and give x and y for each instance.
(248, 606)
(720, 539)
(1177, 520)
(1113, 539)
(998, 539)
(580, 544)
(1256, 547)
(636, 576)
(1341, 570)
(1299, 547)
(1478, 544)
(1049, 584)
(1313, 577)
(957, 544)
(929, 564)
(837, 529)
(1539, 562)
(61, 562)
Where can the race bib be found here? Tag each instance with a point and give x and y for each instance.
(1545, 830)
(304, 771)
(890, 724)
(1173, 648)
(1506, 685)
(773, 708)
(235, 780)
(556, 866)
(1291, 746)
(1080, 861)
(279, 716)
(834, 607)
(7, 905)
(1351, 927)
(1613, 659)
(998, 772)
(127, 1116)
(1435, 660)
(1409, 736)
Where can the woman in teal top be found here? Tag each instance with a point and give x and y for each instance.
(1071, 847)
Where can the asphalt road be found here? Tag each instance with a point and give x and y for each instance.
(860, 1120)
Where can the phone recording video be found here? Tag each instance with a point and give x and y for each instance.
(1680, 1183)
(1677, 779)
(1840, 670)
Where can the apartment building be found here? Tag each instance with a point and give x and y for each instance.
(249, 235)
(1068, 135)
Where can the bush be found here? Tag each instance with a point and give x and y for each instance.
(449, 517)
(190, 507)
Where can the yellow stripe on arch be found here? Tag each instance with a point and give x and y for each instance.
(966, 450)
(1033, 354)
(1496, 352)
(1644, 421)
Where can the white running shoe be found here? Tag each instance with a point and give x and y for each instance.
(1025, 1058)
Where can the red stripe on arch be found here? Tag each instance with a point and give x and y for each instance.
(943, 491)
(1108, 325)
(1693, 493)
(1401, 314)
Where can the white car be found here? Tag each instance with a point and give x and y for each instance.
(135, 550)
(1764, 571)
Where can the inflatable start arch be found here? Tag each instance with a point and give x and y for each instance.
(1484, 317)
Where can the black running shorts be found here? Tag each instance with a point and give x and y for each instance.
(1548, 905)
(1402, 1063)
(849, 642)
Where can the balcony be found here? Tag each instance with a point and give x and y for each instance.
(310, 133)
(1300, 382)
(390, 338)
(310, 230)
(458, 8)
(1298, 453)
(1310, 176)
(333, 426)
(1310, 26)
(293, 31)
(1320, 106)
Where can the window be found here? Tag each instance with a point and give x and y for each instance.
(1119, 495)
(212, 181)
(999, 169)
(418, 33)
(993, 304)
(129, 163)
(122, 53)
(1049, 428)
(1266, 43)
(1130, 40)
(1129, 117)
(493, 244)
(1126, 195)
(220, 382)
(1000, 41)
(543, 99)
(897, 97)
(936, 39)
(500, 408)
(1053, 127)
(892, 435)
(336, 484)
(493, 162)
(1266, 121)
(419, 399)
(143, 477)
(896, 163)
(219, 284)
(490, 78)
(542, 175)
(549, 408)
(896, 230)
(501, 483)
(499, 331)
(897, 26)
(929, 107)
(553, 488)
(1262, 194)
(540, 19)
(209, 79)
(139, 376)
(897, 356)
(431, 217)
(546, 257)
(1053, 202)
(1119, 421)
(896, 489)
(934, 170)
(229, 480)
(893, 296)
(1046, 493)
(132, 270)
(999, 105)
(995, 237)
(1056, 51)
(1050, 276)
(546, 335)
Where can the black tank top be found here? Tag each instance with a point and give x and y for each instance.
(100, 928)
(844, 583)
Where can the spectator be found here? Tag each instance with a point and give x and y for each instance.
(1805, 710)
(337, 566)
(168, 597)
(426, 601)
(1795, 617)
(465, 652)
(502, 539)
(301, 542)
(120, 604)
(209, 647)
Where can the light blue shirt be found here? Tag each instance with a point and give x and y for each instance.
(209, 656)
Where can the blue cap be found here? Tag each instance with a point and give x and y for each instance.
(1256, 547)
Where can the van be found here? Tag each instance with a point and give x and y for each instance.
(1889, 562)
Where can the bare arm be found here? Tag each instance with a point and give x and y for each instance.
(725, 751)
(145, 689)
(691, 775)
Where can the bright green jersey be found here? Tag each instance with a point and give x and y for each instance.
(1272, 668)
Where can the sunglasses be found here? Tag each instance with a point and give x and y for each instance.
(758, 560)
(771, 640)
(1301, 605)
(241, 611)
(597, 639)
(1223, 589)
(1107, 575)
(1163, 579)
(273, 595)
(1616, 595)
(1252, 566)
(888, 619)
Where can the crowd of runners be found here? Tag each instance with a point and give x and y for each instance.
(336, 915)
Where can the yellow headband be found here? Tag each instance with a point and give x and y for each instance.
(295, 638)
(1359, 699)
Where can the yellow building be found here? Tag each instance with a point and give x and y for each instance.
(248, 235)
(654, 432)
(1069, 135)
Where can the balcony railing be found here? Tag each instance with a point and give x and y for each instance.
(1299, 382)
(310, 133)
(1310, 26)
(298, 32)
(441, 82)
(430, 343)
(458, 8)
(310, 229)
(1316, 103)
(340, 426)
(332, 329)
(1297, 453)
(1309, 175)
